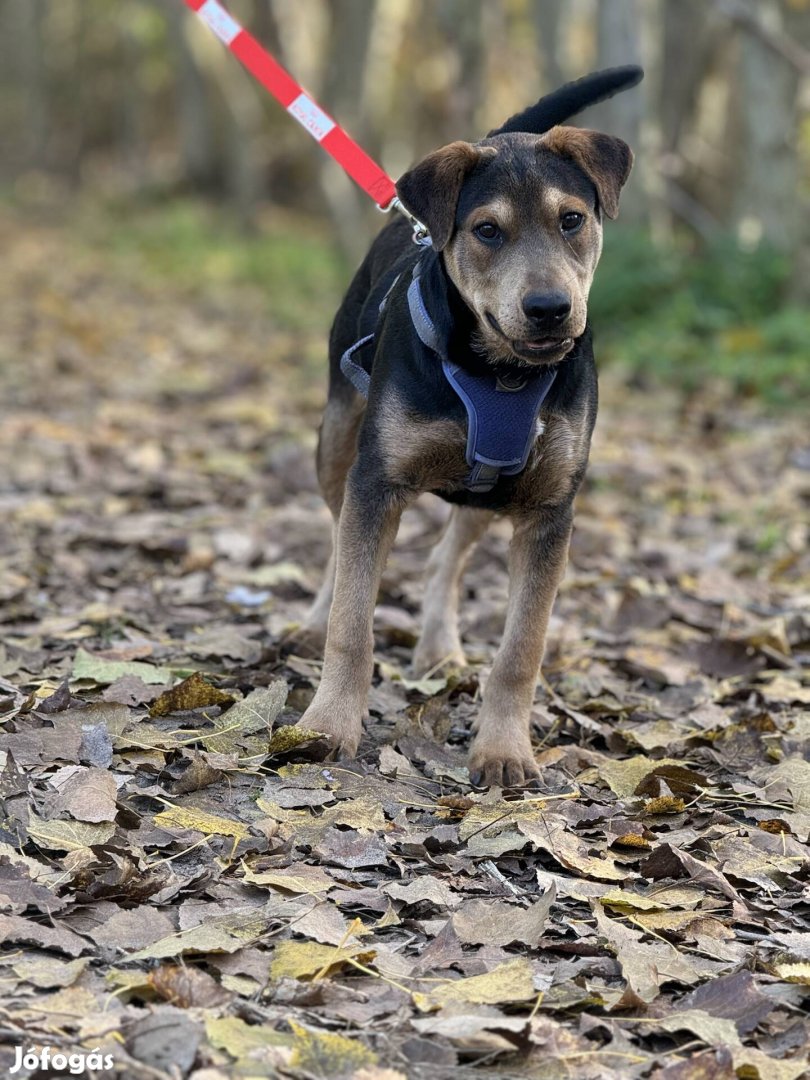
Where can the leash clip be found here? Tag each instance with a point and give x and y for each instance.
(421, 236)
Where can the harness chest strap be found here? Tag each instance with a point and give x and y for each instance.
(501, 410)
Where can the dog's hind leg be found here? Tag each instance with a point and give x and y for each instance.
(439, 642)
(337, 449)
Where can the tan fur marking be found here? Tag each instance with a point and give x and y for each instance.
(420, 454)
(502, 212)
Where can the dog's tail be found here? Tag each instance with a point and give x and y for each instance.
(560, 105)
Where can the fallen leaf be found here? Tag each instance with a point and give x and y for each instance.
(59, 938)
(187, 987)
(625, 778)
(48, 972)
(793, 973)
(240, 1039)
(485, 922)
(304, 959)
(733, 997)
(424, 889)
(192, 693)
(68, 835)
(712, 1030)
(178, 817)
(289, 737)
(89, 795)
(325, 1054)
(226, 933)
(507, 983)
(103, 672)
(303, 878)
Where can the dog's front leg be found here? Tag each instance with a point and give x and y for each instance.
(368, 524)
(501, 751)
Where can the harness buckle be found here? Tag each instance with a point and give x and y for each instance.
(421, 235)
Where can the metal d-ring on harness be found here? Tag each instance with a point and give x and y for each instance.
(421, 236)
(502, 410)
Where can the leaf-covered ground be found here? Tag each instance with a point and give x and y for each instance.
(180, 886)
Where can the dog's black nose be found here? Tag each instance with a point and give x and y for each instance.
(547, 310)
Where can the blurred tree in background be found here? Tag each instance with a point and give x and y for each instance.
(137, 99)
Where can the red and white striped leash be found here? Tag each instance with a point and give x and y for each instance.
(273, 77)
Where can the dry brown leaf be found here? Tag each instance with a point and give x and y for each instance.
(487, 922)
(187, 987)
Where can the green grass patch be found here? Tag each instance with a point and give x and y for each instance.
(300, 275)
(686, 317)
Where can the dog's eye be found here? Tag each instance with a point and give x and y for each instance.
(571, 222)
(487, 232)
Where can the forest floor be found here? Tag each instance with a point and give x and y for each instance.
(184, 889)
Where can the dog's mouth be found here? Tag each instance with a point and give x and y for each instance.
(543, 347)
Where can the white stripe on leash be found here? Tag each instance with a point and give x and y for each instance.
(221, 22)
(311, 116)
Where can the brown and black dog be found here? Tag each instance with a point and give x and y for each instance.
(499, 300)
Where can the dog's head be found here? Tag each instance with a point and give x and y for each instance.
(518, 220)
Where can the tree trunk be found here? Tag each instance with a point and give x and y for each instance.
(619, 42)
(689, 36)
(766, 180)
(29, 53)
(797, 26)
(547, 16)
(193, 103)
(341, 95)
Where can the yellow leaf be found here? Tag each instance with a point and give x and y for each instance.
(192, 693)
(239, 1039)
(632, 840)
(303, 959)
(359, 813)
(494, 818)
(326, 1054)
(225, 933)
(506, 983)
(289, 736)
(179, 818)
(794, 973)
(624, 777)
(694, 921)
(621, 900)
(307, 879)
(665, 804)
(68, 835)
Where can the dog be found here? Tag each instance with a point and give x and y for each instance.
(466, 369)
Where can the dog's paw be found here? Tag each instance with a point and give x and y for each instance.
(307, 640)
(502, 761)
(341, 730)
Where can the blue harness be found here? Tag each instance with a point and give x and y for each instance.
(502, 410)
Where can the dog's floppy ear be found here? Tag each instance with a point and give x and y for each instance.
(606, 160)
(430, 189)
